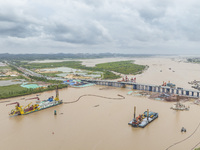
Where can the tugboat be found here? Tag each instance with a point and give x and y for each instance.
(50, 102)
(179, 106)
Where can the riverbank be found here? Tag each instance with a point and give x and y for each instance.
(103, 123)
(17, 90)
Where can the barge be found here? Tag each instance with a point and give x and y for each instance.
(143, 120)
(40, 105)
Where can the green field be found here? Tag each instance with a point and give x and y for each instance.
(124, 67)
(4, 67)
(17, 90)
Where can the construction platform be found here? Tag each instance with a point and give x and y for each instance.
(144, 119)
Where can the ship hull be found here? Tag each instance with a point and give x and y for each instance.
(60, 102)
(145, 121)
(48, 105)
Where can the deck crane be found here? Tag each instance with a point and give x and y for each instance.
(18, 109)
(37, 99)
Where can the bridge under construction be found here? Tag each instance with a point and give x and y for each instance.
(147, 87)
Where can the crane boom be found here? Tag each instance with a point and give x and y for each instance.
(33, 98)
(13, 103)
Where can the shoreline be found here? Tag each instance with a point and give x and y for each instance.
(112, 116)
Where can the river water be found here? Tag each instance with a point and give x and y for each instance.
(95, 123)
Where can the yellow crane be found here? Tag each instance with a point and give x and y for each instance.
(18, 109)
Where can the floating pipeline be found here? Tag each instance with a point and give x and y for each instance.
(186, 139)
(119, 98)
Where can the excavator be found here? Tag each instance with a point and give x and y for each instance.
(137, 121)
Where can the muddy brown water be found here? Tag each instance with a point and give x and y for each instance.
(82, 126)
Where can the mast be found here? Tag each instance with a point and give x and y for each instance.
(57, 94)
(134, 112)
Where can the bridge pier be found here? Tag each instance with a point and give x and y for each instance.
(182, 92)
(134, 86)
(155, 89)
(172, 91)
(142, 87)
(159, 89)
(146, 88)
(123, 85)
(150, 88)
(192, 93)
(177, 91)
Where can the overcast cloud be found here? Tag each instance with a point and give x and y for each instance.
(95, 26)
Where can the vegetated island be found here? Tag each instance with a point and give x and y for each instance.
(122, 67)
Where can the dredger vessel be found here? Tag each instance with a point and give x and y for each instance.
(40, 105)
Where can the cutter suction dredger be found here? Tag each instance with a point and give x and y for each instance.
(39, 105)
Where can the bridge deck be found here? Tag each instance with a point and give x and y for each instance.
(147, 87)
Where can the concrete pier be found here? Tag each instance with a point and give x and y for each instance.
(145, 87)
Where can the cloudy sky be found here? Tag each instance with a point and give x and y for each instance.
(96, 26)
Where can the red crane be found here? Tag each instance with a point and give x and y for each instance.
(33, 98)
(13, 103)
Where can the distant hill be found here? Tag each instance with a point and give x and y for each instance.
(7, 56)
